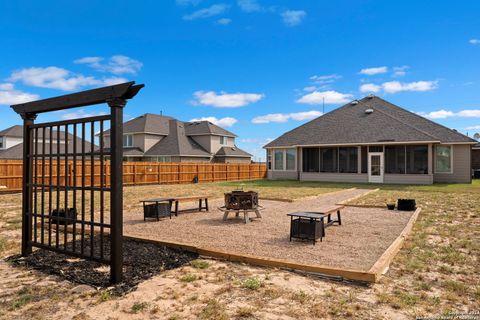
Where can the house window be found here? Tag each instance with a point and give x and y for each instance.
(269, 159)
(128, 140)
(328, 159)
(290, 156)
(278, 159)
(348, 160)
(223, 140)
(395, 159)
(417, 159)
(311, 159)
(2, 143)
(443, 159)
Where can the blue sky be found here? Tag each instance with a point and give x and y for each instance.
(258, 68)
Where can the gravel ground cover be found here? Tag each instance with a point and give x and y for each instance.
(141, 262)
(364, 235)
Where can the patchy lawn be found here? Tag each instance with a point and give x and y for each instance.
(436, 272)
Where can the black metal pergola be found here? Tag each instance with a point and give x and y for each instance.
(66, 175)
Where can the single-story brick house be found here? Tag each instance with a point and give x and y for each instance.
(371, 140)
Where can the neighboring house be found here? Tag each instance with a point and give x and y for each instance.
(152, 137)
(11, 146)
(11, 137)
(371, 140)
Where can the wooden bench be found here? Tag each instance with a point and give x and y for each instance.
(202, 202)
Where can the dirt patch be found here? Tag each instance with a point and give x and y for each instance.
(362, 238)
(141, 261)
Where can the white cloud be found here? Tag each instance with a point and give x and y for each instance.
(474, 41)
(226, 100)
(310, 89)
(396, 86)
(473, 128)
(249, 5)
(293, 18)
(211, 11)
(222, 122)
(327, 97)
(117, 64)
(9, 95)
(400, 71)
(187, 2)
(370, 87)
(224, 21)
(58, 78)
(284, 117)
(80, 113)
(374, 71)
(325, 79)
(443, 114)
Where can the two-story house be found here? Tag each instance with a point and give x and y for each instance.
(11, 142)
(157, 138)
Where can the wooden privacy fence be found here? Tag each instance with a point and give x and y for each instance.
(134, 173)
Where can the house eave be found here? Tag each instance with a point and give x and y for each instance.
(357, 144)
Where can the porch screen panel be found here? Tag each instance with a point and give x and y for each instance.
(417, 159)
(348, 160)
(364, 159)
(395, 159)
(328, 159)
(311, 159)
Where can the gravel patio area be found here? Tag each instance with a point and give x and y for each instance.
(364, 235)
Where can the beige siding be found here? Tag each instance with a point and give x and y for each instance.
(461, 166)
(408, 178)
(149, 141)
(333, 177)
(282, 175)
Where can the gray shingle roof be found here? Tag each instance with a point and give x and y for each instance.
(205, 128)
(351, 124)
(16, 152)
(232, 152)
(14, 131)
(177, 143)
(157, 124)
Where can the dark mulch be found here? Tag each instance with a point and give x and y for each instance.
(142, 261)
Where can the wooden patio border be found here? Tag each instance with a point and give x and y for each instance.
(383, 263)
(358, 275)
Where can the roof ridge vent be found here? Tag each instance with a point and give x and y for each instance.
(354, 102)
(370, 96)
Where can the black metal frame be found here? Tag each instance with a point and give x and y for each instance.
(80, 234)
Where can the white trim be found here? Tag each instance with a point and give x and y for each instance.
(126, 135)
(435, 158)
(381, 177)
(284, 160)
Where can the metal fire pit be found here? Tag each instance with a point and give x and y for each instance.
(241, 200)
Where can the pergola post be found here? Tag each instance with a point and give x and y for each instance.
(116, 203)
(28, 120)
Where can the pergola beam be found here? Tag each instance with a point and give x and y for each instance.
(124, 91)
